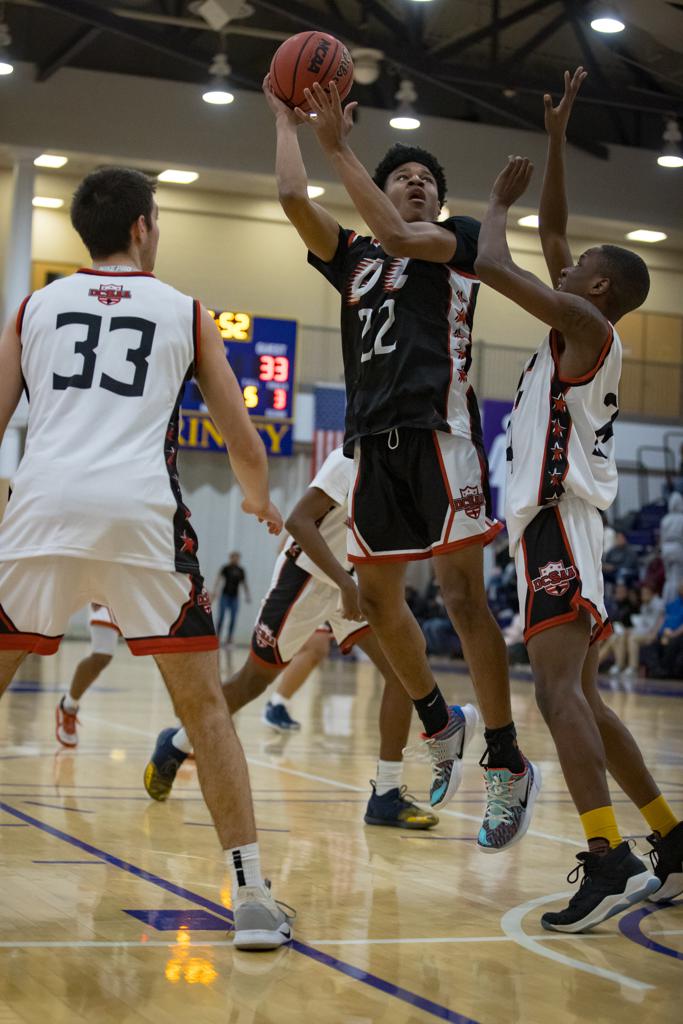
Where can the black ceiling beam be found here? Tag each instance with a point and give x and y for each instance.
(453, 46)
(495, 34)
(61, 57)
(594, 68)
(516, 59)
(102, 19)
(381, 14)
(425, 68)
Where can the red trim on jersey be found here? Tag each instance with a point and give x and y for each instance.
(587, 377)
(438, 549)
(171, 644)
(107, 625)
(113, 273)
(196, 332)
(446, 483)
(448, 345)
(539, 499)
(267, 664)
(462, 273)
(19, 323)
(33, 643)
(352, 238)
(348, 643)
(529, 590)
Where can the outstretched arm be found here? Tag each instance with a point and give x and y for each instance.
(552, 211)
(302, 524)
(245, 448)
(318, 230)
(582, 326)
(421, 240)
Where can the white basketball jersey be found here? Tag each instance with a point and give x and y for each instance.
(561, 436)
(104, 359)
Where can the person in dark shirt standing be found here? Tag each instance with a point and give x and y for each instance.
(420, 486)
(226, 592)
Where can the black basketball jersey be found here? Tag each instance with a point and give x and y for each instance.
(406, 334)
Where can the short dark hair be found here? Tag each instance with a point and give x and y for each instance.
(629, 278)
(105, 206)
(400, 154)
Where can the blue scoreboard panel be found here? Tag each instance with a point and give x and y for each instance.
(262, 354)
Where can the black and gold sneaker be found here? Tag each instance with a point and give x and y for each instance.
(666, 857)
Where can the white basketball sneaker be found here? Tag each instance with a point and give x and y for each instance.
(260, 921)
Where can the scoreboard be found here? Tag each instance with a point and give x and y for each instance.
(262, 354)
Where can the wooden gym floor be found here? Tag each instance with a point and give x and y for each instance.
(116, 909)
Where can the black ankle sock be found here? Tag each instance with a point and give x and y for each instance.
(502, 750)
(433, 711)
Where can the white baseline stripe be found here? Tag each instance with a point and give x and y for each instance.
(511, 923)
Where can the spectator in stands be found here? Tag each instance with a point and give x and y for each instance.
(438, 630)
(654, 574)
(620, 564)
(664, 658)
(620, 608)
(671, 544)
(645, 625)
(513, 634)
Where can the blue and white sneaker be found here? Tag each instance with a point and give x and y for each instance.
(510, 800)
(161, 769)
(278, 717)
(446, 749)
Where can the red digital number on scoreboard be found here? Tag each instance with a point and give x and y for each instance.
(279, 398)
(274, 368)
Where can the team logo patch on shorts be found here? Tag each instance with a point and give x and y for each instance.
(471, 502)
(204, 600)
(264, 636)
(109, 294)
(555, 578)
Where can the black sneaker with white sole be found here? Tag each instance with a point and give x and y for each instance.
(610, 884)
(666, 857)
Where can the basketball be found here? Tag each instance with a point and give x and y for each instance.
(307, 58)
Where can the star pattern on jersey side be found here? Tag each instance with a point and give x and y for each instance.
(555, 478)
(559, 404)
(556, 456)
(189, 543)
(557, 452)
(557, 428)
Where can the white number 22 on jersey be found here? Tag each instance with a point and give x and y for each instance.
(378, 347)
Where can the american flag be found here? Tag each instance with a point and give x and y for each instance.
(329, 410)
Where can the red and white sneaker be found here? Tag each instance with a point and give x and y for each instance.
(66, 729)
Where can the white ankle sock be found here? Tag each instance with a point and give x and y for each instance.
(277, 698)
(388, 776)
(69, 704)
(244, 863)
(181, 741)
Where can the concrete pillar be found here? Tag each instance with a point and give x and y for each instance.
(17, 286)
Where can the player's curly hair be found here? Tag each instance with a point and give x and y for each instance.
(400, 154)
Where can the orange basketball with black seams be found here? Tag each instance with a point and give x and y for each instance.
(307, 58)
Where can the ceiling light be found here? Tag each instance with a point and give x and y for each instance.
(445, 213)
(530, 221)
(217, 91)
(672, 154)
(314, 191)
(50, 160)
(6, 66)
(366, 64)
(48, 202)
(607, 25)
(178, 177)
(645, 235)
(405, 118)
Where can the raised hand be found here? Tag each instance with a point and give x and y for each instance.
(556, 118)
(513, 181)
(278, 107)
(331, 122)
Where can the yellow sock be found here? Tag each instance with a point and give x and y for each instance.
(659, 816)
(601, 822)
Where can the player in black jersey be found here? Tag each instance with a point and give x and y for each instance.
(412, 426)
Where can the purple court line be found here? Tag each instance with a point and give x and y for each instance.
(357, 973)
(12, 825)
(629, 925)
(55, 807)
